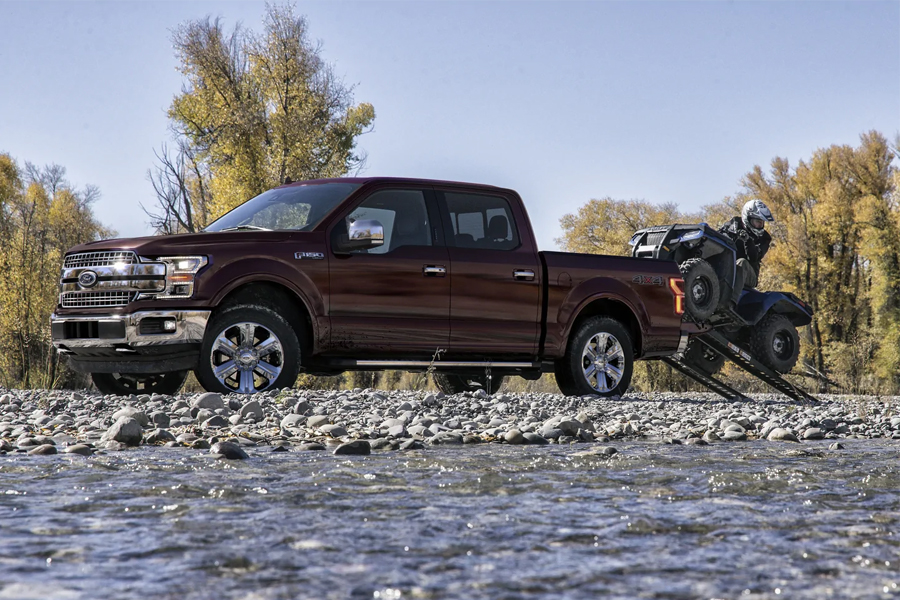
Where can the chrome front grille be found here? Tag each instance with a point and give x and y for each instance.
(95, 299)
(100, 259)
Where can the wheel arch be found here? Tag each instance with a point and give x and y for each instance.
(278, 296)
(615, 308)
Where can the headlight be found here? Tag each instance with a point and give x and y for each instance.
(691, 235)
(180, 274)
(634, 239)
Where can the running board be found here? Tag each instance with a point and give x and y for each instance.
(702, 378)
(744, 360)
(442, 364)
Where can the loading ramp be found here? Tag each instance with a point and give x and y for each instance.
(719, 344)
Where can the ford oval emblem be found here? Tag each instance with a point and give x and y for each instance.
(87, 279)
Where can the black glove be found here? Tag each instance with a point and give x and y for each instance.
(743, 235)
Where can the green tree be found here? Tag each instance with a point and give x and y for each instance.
(255, 110)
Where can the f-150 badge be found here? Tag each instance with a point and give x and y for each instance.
(648, 280)
(309, 255)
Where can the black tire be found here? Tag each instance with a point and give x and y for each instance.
(701, 288)
(125, 384)
(700, 356)
(776, 343)
(617, 352)
(453, 383)
(272, 362)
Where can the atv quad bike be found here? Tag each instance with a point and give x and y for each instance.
(763, 322)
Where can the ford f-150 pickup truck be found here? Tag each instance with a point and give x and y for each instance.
(362, 274)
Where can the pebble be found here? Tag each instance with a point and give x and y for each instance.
(209, 400)
(81, 449)
(126, 431)
(43, 449)
(779, 434)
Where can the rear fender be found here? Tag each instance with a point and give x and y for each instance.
(754, 305)
(601, 288)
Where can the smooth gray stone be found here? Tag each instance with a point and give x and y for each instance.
(159, 436)
(446, 438)
(514, 436)
(317, 421)
(126, 431)
(43, 449)
(551, 433)
(160, 419)
(200, 444)
(333, 430)
(292, 420)
(311, 446)
(228, 450)
(388, 423)
(412, 445)
(813, 433)
(696, 442)
(209, 401)
(780, 434)
(27, 442)
(732, 435)
(569, 427)
(836, 446)
(398, 431)
(135, 413)
(356, 447)
(302, 408)
(216, 421)
(535, 438)
(80, 449)
(252, 409)
(380, 443)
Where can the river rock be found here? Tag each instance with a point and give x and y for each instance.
(780, 434)
(43, 449)
(135, 413)
(158, 436)
(292, 420)
(514, 436)
(209, 401)
(160, 419)
(813, 433)
(732, 435)
(216, 421)
(535, 438)
(252, 410)
(80, 449)
(126, 431)
(333, 430)
(356, 447)
(229, 450)
(317, 421)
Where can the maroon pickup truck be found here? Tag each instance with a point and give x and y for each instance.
(362, 274)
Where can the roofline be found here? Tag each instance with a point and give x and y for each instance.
(405, 180)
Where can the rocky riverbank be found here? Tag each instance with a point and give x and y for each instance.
(362, 421)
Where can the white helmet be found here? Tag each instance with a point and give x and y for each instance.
(755, 214)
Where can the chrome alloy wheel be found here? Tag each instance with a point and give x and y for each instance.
(603, 362)
(247, 357)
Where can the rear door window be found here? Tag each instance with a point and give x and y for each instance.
(481, 221)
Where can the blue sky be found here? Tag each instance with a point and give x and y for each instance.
(562, 101)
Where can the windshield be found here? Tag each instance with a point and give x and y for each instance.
(299, 207)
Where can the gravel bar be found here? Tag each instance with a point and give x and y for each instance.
(362, 421)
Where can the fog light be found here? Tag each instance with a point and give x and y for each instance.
(169, 325)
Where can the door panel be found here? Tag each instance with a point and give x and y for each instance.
(396, 297)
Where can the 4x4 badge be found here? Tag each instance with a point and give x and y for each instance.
(309, 255)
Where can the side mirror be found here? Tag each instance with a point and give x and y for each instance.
(363, 234)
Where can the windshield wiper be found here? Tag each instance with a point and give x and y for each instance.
(245, 228)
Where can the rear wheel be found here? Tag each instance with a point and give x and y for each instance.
(776, 343)
(248, 349)
(599, 360)
(701, 288)
(125, 384)
(702, 357)
(453, 383)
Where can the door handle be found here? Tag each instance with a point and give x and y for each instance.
(434, 270)
(523, 275)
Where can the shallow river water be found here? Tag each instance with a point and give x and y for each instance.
(751, 520)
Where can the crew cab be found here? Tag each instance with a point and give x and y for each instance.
(367, 274)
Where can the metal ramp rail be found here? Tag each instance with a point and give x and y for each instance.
(718, 343)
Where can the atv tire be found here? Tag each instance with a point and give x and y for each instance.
(126, 384)
(776, 343)
(701, 288)
(702, 357)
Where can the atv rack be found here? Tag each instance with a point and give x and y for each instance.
(719, 344)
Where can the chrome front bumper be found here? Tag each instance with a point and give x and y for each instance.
(124, 331)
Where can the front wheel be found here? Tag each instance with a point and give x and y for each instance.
(125, 384)
(599, 360)
(452, 383)
(701, 288)
(248, 349)
(776, 343)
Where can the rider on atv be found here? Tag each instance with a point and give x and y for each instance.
(748, 232)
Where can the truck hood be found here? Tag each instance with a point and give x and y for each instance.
(191, 243)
